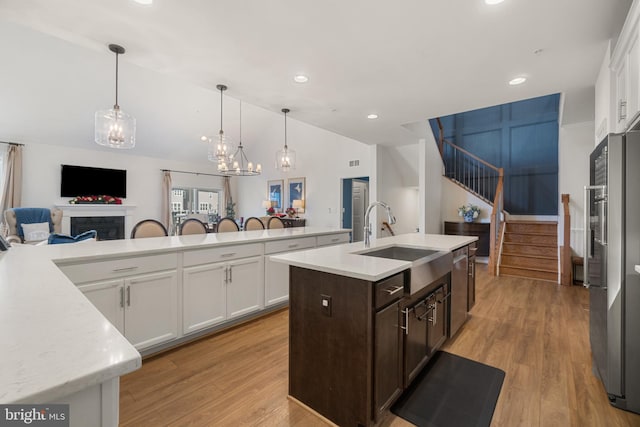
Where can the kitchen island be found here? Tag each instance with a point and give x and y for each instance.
(360, 328)
(75, 317)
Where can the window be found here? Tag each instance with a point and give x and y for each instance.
(200, 203)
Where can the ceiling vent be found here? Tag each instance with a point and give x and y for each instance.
(353, 163)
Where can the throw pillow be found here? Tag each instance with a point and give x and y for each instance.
(35, 232)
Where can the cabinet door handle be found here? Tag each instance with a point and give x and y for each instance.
(129, 296)
(295, 245)
(122, 297)
(406, 321)
(394, 291)
(118, 270)
(335, 240)
(471, 269)
(230, 254)
(230, 274)
(434, 315)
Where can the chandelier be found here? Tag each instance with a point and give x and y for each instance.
(114, 128)
(285, 158)
(238, 161)
(219, 146)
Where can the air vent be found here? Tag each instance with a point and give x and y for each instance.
(353, 163)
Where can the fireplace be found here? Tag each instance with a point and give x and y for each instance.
(108, 227)
(101, 213)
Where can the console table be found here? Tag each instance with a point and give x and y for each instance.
(480, 229)
(294, 222)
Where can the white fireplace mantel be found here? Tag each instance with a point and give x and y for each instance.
(90, 209)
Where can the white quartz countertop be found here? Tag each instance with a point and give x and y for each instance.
(53, 341)
(346, 261)
(88, 251)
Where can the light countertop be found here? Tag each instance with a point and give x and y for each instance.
(87, 251)
(53, 341)
(345, 261)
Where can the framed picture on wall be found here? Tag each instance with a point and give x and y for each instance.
(296, 191)
(275, 189)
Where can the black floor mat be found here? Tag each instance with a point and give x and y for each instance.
(451, 391)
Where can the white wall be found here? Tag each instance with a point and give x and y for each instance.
(575, 145)
(430, 169)
(400, 195)
(454, 196)
(41, 176)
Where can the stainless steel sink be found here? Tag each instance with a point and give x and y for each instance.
(427, 265)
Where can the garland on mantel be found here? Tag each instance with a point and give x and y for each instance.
(96, 200)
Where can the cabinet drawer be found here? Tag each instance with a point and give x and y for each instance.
(389, 289)
(226, 253)
(94, 271)
(289, 245)
(333, 239)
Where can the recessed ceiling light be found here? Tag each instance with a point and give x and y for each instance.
(492, 2)
(517, 81)
(145, 2)
(300, 78)
(372, 116)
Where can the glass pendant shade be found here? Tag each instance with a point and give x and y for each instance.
(114, 128)
(285, 158)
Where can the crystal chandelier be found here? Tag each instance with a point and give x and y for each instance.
(114, 128)
(220, 146)
(239, 163)
(285, 158)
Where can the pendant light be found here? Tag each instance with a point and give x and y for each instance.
(219, 147)
(285, 158)
(114, 128)
(239, 163)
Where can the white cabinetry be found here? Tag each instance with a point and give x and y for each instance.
(220, 284)
(143, 307)
(625, 66)
(276, 275)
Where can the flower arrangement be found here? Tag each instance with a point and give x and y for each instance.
(271, 211)
(103, 199)
(291, 212)
(469, 212)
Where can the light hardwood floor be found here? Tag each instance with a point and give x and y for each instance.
(535, 331)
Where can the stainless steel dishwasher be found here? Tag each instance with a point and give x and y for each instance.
(459, 290)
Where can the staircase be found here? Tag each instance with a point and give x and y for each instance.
(530, 249)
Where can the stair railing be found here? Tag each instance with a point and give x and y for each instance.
(565, 250)
(497, 218)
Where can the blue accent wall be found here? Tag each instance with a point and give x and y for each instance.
(522, 138)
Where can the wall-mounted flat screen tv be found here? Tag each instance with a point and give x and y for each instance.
(86, 181)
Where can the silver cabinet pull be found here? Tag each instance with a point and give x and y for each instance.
(335, 240)
(471, 270)
(129, 296)
(122, 297)
(434, 314)
(118, 270)
(230, 254)
(622, 106)
(230, 274)
(406, 321)
(394, 291)
(295, 245)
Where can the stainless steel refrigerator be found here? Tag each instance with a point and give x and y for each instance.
(612, 249)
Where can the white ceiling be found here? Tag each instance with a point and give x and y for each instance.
(405, 60)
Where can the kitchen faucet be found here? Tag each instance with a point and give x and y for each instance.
(367, 226)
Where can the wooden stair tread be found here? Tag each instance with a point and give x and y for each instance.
(542, 245)
(530, 234)
(555, 258)
(533, 222)
(544, 270)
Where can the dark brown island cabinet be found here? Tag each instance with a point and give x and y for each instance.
(355, 345)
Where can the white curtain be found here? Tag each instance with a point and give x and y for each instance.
(166, 201)
(12, 183)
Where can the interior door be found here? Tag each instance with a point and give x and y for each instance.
(359, 202)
